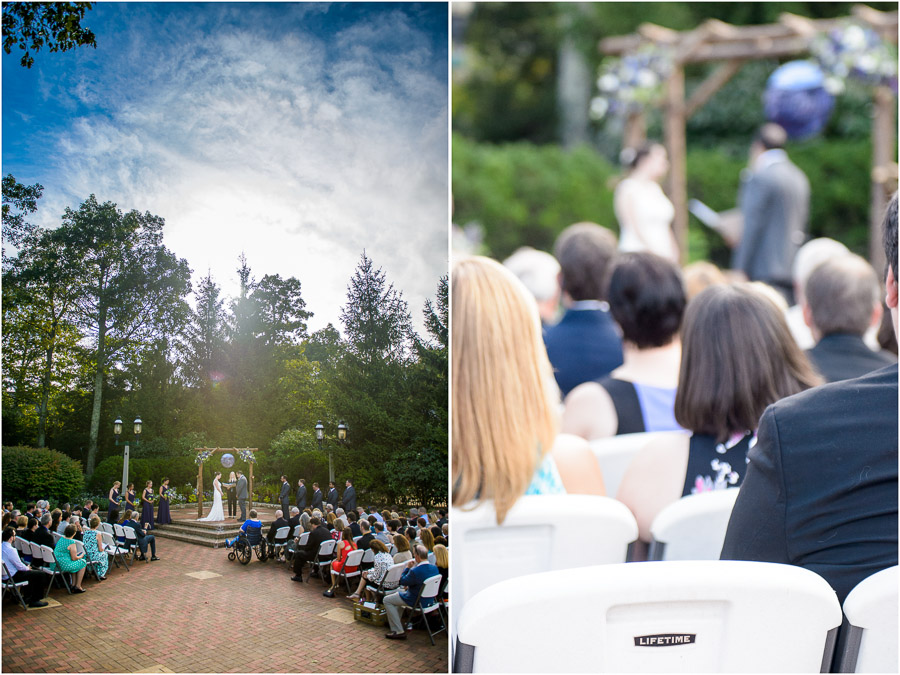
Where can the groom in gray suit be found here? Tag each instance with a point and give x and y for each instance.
(774, 203)
(241, 488)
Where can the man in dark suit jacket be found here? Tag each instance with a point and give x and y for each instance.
(301, 494)
(841, 303)
(308, 553)
(295, 518)
(332, 497)
(820, 490)
(774, 203)
(317, 497)
(367, 537)
(42, 536)
(143, 539)
(280, 521)
(284, 496)
(585, 345)
(349, 498)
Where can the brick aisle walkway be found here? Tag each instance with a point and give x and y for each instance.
(251, 618)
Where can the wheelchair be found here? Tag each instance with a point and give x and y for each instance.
(248, 543)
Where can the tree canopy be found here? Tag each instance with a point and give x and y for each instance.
(30, 26)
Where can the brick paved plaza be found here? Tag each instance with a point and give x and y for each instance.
(157, 618)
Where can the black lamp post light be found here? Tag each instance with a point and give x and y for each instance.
(320, 437)
(117, 431)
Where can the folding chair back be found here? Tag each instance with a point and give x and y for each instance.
(296, 532)
(304, 538)
(614, 454)
(281, 534)
(107, 527)
(356, 539)
(871, 610)
(693, 528)
(9, 584)
(706, 616)
(56, 537)
(388, 583)
(538, 535)
(114, 550)
(430, 590)
(368, 557)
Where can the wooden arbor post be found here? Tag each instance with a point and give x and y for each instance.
(200, 475)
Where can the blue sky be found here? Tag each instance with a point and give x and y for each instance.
(298, 133)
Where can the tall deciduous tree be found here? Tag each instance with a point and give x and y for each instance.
(18, 201)
(132, 290)
(55, 25)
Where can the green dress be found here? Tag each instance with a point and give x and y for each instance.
(63, 559)
(92, 552)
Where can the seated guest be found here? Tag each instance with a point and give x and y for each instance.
(442, 517)
(738, 357)
(62, 524)
(418, 570)
(68, 559)
(37, 580)
(354, 525)
(307, 553)
(367, 537)
(21, 525)
(412, 534)
(500, 368)
(304, 522)
(94, 547)
(341, 515)
(252, 522)
(295, 518)
(381, 535)
(29, 510)
(7, 507)
(7, 520)
(88, 507)
(66, 512)
(841, 304)
(539, 273)
(427, 539)
(344, 547)
(393, 526)
(143, 539)
(821, 486)
(442, 562)
(30, 528)
(423, 514)
(279, 521)
(383, 562)
(56, 517)
(809, 256)
(442, 540)
(41, 536)
(647, 300)
(403, 553)
(584, 345)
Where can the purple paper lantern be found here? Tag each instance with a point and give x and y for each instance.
(796, 98)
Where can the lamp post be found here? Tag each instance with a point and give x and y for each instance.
(320, 437)
(117, 431)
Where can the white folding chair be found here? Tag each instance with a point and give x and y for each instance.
(56, 537)
(871, 611)
(281, 535)
(389, 581)
(91, 564)
(9, 584)
(108, 528)
(368, 559)
(303, 539)
(693, 528)
(430, 589)
(114, 551)
(52, 568)
(323, 559)
(354, 558)
(707, 616)
(131, 540)
(539, 534)
(615, 453)
(356, 539)
(296, 532)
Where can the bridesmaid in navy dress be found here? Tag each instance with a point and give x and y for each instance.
(163, 517)
(130, 498)
(147, 506)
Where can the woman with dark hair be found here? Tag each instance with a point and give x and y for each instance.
(147, 506)
(646, 298)
(130, 498)
(738, 357)
(115, 501)
(644, 212)
(56, 515)
(403, 553)
(345, 545)
(164, 517)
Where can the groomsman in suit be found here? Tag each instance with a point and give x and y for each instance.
(285, 495)
(317, 497)
(301, 494)
(242, 494)
(349, 498)
(332, 495)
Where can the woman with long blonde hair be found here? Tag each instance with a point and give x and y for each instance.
(505, 400)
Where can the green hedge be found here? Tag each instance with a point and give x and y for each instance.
(30, 474)
(526, 194)
(179, 470)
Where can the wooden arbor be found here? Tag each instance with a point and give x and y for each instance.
(200, 475)
(732, 46)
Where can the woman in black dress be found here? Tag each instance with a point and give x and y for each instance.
(147, 506)
(130, 498)
(114, 501)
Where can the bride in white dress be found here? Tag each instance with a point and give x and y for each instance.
(216, 513)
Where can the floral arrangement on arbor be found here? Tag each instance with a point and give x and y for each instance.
(202, 456)
(247, 455)
(629, 84)
(852, 51)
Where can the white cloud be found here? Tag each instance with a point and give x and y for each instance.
(298, 152)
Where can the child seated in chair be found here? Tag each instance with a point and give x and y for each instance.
(251, 522)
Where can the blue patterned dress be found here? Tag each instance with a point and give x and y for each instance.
(93, 553)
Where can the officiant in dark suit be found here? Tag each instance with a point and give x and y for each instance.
(349, 498)
(332, 497)
(301, 494)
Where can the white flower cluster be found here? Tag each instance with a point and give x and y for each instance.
(853, 51)
(630, 83)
